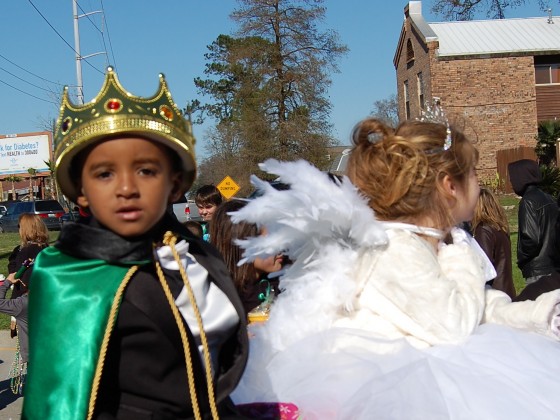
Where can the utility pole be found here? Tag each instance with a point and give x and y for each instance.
(80, 86)
(79, 57)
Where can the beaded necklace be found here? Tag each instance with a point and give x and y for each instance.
(18, 370)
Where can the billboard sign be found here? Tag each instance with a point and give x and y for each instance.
(19, 152)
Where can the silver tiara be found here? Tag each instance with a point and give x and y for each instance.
(435, 114)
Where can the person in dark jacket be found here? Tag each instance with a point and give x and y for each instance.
(536, 244)
(491, 230)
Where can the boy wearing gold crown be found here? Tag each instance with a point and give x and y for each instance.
(130, 316)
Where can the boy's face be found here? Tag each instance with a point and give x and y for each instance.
(206, 211)
(127, 183)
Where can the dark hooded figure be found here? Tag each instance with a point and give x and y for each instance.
(536, 245)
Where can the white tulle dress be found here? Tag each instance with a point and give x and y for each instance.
(373, 323)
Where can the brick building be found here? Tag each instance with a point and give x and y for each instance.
(496, 79)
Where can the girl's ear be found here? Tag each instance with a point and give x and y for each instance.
(449, 186)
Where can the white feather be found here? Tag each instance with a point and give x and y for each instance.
(320, 225)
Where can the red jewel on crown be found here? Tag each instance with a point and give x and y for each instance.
(166, 112)
(113, 105)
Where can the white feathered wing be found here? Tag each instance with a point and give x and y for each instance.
(320, 224)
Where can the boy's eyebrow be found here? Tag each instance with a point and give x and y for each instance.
(101, 165)
(110, 163)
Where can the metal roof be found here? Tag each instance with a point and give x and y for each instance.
(499, 36)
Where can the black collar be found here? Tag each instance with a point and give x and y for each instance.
(88, 239)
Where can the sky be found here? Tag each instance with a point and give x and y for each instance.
(143, 38)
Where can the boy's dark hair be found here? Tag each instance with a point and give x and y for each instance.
(208, 194)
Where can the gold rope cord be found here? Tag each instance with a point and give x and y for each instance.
(170, 239)
(105, 344)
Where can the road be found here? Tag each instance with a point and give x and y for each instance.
(10, 404)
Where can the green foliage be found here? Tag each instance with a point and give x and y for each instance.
(550, 180)
(53, 184)
(495, 184)
(548, 135)
(267, 87)
(13, 179)
(511, 207)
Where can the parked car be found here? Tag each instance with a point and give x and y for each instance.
(5, 205)
(71, 216)
(49, 210)
(185, 210)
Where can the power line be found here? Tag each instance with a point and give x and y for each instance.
(28, 94)
(101, 31)
(85, 14)
(61, 37)
(114, 61)
(27, 71)
(23, 80)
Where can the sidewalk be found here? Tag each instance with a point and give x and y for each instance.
(10, 404)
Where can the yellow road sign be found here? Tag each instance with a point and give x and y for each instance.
(228, 187)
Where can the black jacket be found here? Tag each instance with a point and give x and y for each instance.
(538, 213)
(144, 375)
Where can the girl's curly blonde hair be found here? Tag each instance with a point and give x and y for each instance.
(401, 171)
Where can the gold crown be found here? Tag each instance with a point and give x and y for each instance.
(115, 111)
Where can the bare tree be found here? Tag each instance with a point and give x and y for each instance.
(468, 9)
(387, 110)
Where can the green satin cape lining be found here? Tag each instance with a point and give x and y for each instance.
(69, 306)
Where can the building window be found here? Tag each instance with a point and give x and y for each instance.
(546, 74)
(406, 100)
(409, 51)
(420, 80)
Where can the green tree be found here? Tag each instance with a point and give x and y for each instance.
(468, 9)
(32, 175)
(13, 179)
(52, 179)
(299, 62)
(548, 136)
(267, 87)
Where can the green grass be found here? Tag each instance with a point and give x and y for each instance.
(511, 205)
(8, 241)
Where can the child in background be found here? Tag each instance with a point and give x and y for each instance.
(130, 316)
(385, 312)
(207, 200)
(34, 237)
(491, 230)
(251, 279)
